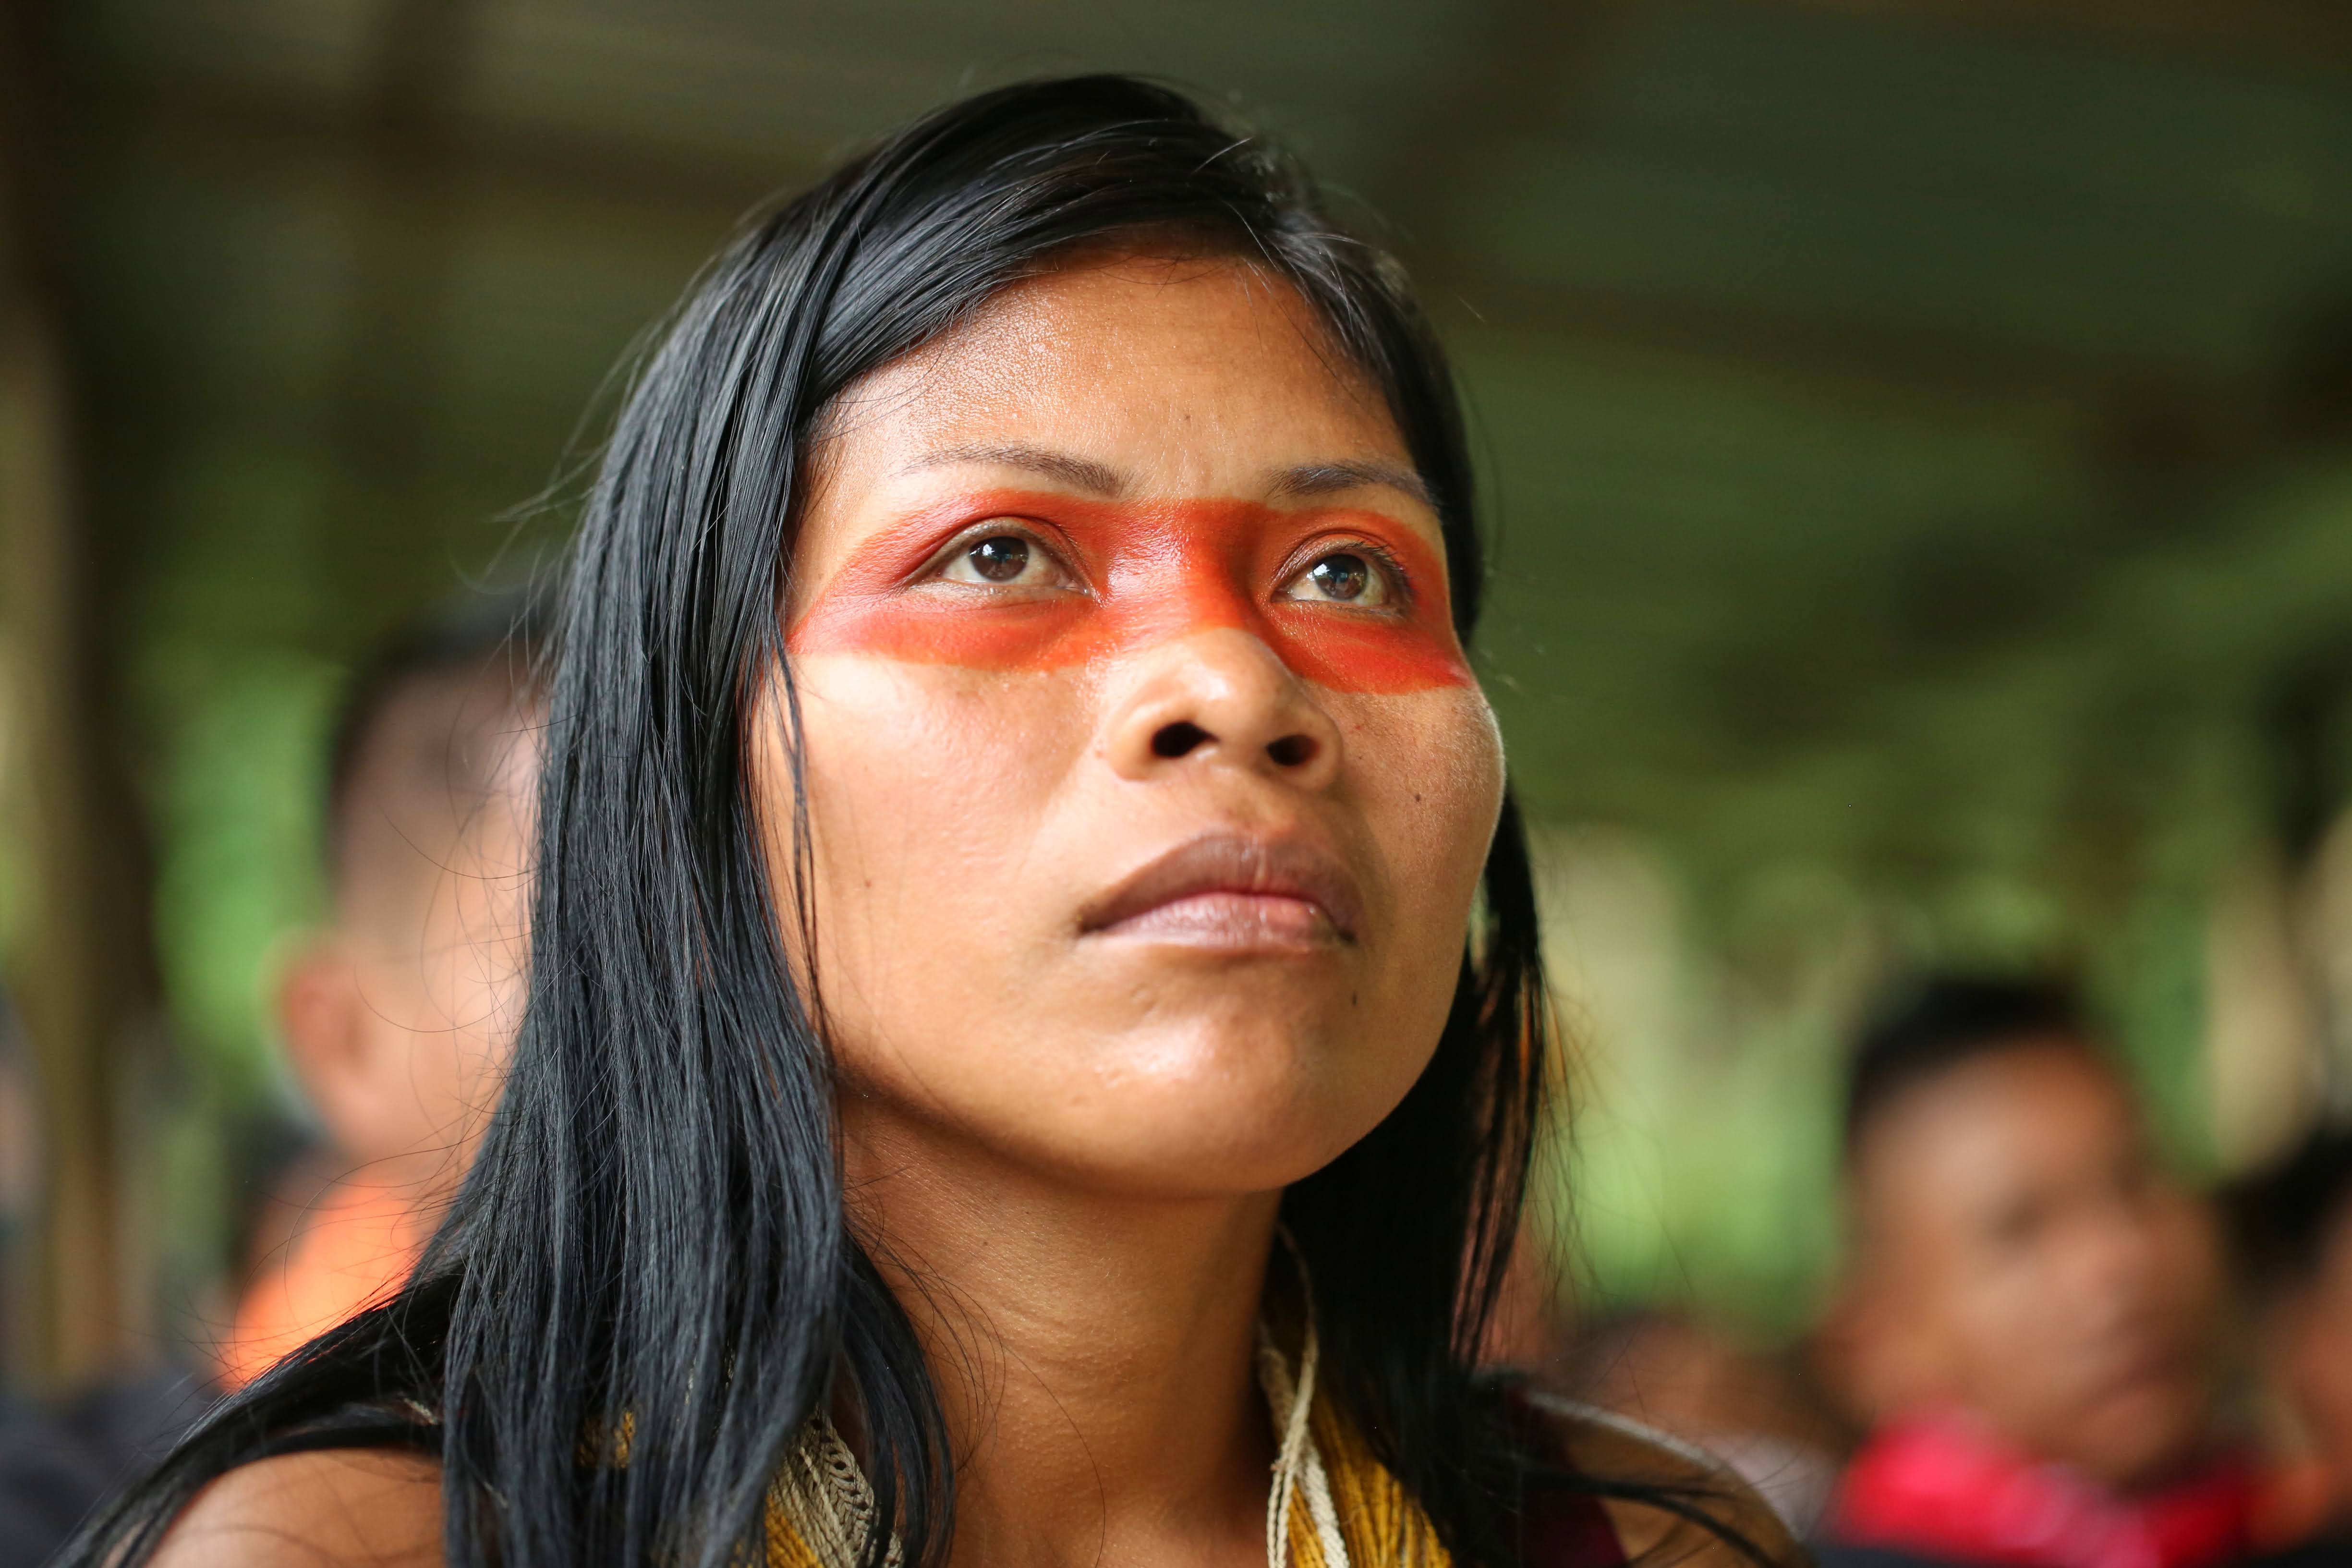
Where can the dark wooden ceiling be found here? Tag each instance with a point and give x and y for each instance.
(1911, 426)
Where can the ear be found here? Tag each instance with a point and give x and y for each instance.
(323, 1020)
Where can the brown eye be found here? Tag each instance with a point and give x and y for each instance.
(1000, 560)
(1342, 577)
(1004, 560)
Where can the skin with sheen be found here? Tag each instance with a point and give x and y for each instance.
(1147, 794)
(1142, 869)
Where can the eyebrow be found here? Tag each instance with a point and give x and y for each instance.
(1325, 478)
(1303, 482)
(1080, 473)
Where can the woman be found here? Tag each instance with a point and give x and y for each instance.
(1035, 1017)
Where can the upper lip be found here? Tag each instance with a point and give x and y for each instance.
(1280, 867)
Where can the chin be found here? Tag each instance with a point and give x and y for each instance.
(1201, 1113)
(2143, 1438)
(1185, 1090)
(1161, 1163)
(1218, 1136)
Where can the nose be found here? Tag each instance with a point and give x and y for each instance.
(1220, 697)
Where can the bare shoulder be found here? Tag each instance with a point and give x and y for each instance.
(339, 1507)
(1654, 1535)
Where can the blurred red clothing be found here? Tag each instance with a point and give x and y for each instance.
(357, 1243)
(1940, 1486)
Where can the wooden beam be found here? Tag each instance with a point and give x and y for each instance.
(256, 125)
(85, 980)
(423, 170)
(2288, 29)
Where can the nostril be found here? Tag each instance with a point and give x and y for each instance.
(1291, 750)
(1177, 740)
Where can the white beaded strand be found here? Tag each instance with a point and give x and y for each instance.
(1299, 1467)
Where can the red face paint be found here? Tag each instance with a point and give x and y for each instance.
(1146, 573)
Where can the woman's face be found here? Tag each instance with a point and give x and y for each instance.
(1148, 784)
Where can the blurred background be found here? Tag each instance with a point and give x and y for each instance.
(1919, 437)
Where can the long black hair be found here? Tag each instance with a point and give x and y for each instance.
(649, 1280)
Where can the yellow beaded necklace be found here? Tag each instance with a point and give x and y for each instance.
(1332, 1505)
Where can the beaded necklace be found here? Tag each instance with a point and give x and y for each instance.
(1332, 1503)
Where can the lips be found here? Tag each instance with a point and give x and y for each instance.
(1232, 889)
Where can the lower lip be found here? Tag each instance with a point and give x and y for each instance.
(1234, 922)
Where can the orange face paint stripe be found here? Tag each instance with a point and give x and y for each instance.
(1153, 572)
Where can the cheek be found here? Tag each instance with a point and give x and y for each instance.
(957, 818)
(1426, 774)
(927, 786)
(1428, 770)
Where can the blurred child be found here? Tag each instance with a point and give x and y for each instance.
(396, 1020)
(2029, 1319)
(1675, 1372)
(2292, 1227)
(397, 1016)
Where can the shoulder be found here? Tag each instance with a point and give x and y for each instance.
(336, 1508)
(1682, 1508)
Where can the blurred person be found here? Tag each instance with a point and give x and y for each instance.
(2292, 1227)
(1755, 1411)
(1036, 1016)
(60, 1454)
(397, 1016)
(60, 1457)
(2029, 1316)
(1672, 1375)
(1669, 1377)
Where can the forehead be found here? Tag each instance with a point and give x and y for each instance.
(2034, 1116)
(1192, 374)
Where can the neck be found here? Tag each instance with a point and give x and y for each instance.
(1094, 1353)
